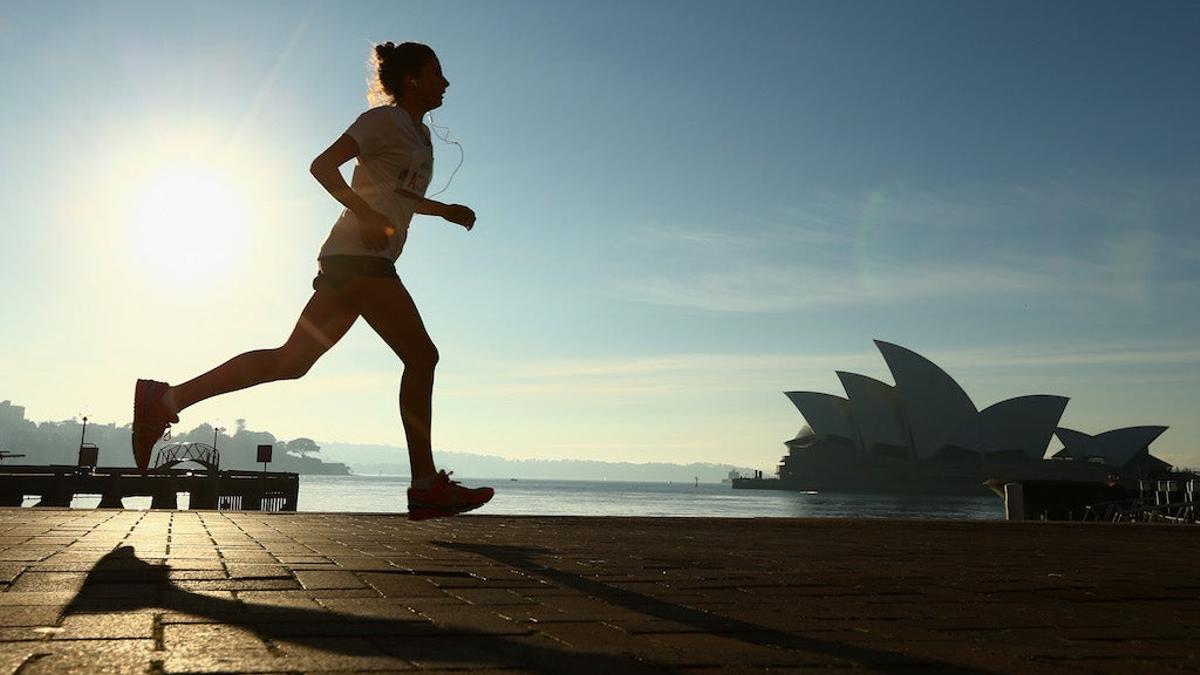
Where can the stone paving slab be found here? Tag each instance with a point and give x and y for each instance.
(219, 592)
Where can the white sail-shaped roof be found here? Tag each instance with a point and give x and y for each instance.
(828, 415)
(935, 405)
(1075, 443)
(803, 437)
(1117, 446)
(927, 411)
(875, 410)
(1024, 423)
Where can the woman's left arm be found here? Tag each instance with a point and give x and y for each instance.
(455, 213)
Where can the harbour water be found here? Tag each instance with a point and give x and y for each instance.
(610, 498)
(386, 494)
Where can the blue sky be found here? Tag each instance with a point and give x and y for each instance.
(685, 208)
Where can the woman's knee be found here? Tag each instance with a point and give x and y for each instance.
(293, 364)
(423, 356)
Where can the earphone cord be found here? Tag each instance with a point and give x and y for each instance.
(443, 133)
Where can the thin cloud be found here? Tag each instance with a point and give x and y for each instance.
(766, 236)
(1096, 356)
(625, 380)
(758, 287)
(691, 362)
(653, 446)
(854, 251)
(632, 380)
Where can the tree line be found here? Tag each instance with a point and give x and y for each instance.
(59, 442)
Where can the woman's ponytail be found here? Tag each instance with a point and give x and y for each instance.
(390, 64)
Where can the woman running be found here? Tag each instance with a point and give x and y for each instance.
(357, 275)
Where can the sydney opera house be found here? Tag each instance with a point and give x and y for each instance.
(924, 434)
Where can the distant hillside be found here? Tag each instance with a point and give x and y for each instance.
(58, 443)
(391, 460)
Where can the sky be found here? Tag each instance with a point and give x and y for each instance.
(684, 210)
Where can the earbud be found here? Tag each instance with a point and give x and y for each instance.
(413, 83)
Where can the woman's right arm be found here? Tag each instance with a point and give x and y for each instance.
(374, 226)
(325, 169)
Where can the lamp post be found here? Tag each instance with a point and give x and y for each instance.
(217, 428)
(85, 456)
(84, 412)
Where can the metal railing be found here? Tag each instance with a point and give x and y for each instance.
(1160, 501)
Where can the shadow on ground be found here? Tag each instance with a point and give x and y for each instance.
(524, 559)
(121, 581)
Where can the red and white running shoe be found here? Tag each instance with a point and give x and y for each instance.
(445, 498)
(151, 417)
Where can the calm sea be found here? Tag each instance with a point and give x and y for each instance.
(386, 494)
(383, 494)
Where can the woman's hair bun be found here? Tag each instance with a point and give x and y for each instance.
(390, 64)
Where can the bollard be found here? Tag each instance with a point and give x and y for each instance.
(111, 499)
(252, 501)
(57, 493)
(110, 495)
(1014, 501)
(205, 496)
(165, 498)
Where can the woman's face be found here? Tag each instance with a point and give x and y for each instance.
(430, 85)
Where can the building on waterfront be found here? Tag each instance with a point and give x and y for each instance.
(11, 416)
(925, 434)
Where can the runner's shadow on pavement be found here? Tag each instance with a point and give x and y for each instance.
(524, 559)
(121, 582)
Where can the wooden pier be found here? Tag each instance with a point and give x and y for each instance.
(58, 485)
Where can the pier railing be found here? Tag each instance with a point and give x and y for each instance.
(58, 485)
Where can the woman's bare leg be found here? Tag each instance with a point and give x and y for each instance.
(389, 309)
(324, 321)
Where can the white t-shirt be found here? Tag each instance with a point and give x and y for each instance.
(393, 157)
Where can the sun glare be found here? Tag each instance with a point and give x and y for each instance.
(187, 222)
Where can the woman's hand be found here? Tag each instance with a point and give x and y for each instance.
(460, 215)
(374, 228)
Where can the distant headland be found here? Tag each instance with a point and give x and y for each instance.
(58, 443)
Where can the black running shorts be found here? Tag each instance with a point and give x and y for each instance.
(335, 270)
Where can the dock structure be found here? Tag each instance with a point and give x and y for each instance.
(91, 590)
(207, 488)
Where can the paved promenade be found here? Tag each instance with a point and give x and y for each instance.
(137, 591)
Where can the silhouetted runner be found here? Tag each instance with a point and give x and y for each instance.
(357, 275)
